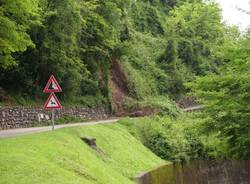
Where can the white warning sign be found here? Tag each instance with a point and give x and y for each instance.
(52, 102)
(52, 86)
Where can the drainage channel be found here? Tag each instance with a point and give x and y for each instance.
(199, 172)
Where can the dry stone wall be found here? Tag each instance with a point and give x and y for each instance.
(23, 117)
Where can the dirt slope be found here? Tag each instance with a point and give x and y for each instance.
(118, 85)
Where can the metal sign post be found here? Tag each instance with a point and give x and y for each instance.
(53, 119)
(52, 102)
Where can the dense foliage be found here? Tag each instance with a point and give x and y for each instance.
(174, 140)
(155, 41)
(227, 96)
(16, 17)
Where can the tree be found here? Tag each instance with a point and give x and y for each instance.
(226, 96)
(16, 17)
(168, 62)
(197, 28)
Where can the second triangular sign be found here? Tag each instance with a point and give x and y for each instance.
(52, 102)
(52, 86)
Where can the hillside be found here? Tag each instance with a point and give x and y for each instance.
(131, 57)
(62, 157)
(155, 43)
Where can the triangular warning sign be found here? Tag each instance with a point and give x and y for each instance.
(52, 102)
(52, 86)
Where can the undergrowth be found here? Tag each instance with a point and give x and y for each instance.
(176, 139)
(164, 104)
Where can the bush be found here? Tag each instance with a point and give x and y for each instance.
(173, 140)
(87, 101)
(164, 104)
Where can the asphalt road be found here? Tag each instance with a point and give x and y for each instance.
(194, 108)
(26, 131)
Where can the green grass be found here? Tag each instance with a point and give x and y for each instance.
(62, 157)
(66, 119)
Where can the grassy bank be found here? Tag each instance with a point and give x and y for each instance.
(62, 157)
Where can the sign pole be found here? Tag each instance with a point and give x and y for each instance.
(53, 119)
(52, 87)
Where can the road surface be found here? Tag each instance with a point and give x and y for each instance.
(194, 108)
(26, 131)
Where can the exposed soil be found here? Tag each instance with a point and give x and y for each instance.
(119, 87)
(119, 77)
(92, 143)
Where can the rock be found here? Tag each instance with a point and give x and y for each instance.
(89, 141)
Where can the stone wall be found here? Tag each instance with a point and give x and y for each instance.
(199, 172)
(23, 117)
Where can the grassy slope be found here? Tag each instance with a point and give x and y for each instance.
(62, 157)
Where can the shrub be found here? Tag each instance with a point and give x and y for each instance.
(174, 140)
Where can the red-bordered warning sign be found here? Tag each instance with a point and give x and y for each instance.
(52, 102)
(52, 86)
